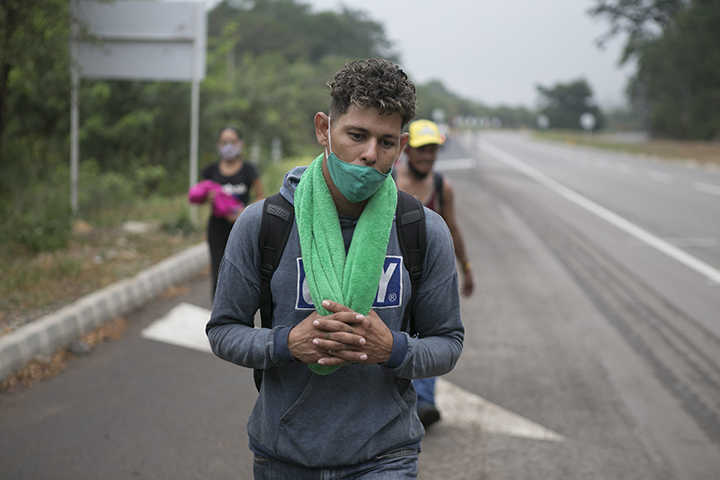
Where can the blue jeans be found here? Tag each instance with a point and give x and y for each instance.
(425, 388)
(398, 464)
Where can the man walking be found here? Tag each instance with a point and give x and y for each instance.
(417, 177)
(336, 398)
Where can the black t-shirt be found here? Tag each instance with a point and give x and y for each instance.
(238, 184)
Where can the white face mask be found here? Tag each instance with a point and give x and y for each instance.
(228, 151)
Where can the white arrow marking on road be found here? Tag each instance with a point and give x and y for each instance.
(184, 326)
(464, 409)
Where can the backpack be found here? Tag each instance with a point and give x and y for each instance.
(437, 185)
(438, 188)
(277, 220)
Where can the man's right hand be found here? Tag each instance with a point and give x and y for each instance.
(303, 339)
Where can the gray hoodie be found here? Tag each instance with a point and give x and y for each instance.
(359, 411)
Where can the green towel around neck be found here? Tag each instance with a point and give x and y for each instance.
(350, 280)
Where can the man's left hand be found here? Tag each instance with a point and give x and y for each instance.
(378, 339)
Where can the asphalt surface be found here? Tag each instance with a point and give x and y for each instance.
(607, 344)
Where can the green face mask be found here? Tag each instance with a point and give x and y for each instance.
(355, 182)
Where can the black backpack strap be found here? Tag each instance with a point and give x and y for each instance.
(410, 220)
(277, 220)
(438, 187)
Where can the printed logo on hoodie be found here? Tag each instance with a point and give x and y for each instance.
(389, 293)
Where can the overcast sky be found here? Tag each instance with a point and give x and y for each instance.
(496, 51)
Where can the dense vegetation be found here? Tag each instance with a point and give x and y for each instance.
(267, 65)
(676, 45)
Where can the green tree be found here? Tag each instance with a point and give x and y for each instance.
(564, 103)
(33, 61)
(290, 27)
(675, 44)
(34, 106)
(641, 20)
(678, 75)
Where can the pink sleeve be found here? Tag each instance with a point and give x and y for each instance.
(199, 191)
(226, 204)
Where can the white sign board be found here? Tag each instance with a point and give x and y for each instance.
(543, 122)
(141, 40)
(138, 40)
(587, 121)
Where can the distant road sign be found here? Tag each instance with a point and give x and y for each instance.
(141, 40)
(587, 121)
(543, 122)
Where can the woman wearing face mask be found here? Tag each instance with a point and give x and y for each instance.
(237, 178)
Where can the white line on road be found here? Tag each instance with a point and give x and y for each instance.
(623, 168)
(697, 242)
(707, 188)
(661, 177)
(641, 234)
(456, 164)
(184, 326)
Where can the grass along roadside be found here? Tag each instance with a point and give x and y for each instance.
(696, 152)
(99, 253)
(112, 246)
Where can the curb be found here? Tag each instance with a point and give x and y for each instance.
(58, 329)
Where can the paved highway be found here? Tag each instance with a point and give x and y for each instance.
(590, 352)
(612, 262)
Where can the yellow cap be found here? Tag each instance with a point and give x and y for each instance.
(424, 132)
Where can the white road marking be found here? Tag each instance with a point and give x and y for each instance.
(456, 164)
(623, 168)
(694, 242)
(184, 326)
(707, 188)
(641, 234)
(660, 177)
(698, 242)
(463, 409)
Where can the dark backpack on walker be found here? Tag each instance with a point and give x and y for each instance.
(277, 220)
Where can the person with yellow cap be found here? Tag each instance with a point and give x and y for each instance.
(417, 177)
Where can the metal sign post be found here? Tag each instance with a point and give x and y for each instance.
(74, 126)
(132, 40)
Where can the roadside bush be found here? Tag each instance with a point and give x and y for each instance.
(43, 226)
(103, 191)
(179, 223)
(37, 215)
(149, 179)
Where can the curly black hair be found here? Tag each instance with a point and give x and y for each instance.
(373, 83)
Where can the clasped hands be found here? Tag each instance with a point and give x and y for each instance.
(340, 338)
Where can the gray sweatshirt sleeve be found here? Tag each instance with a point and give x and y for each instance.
(438, 345)
(231, 327)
